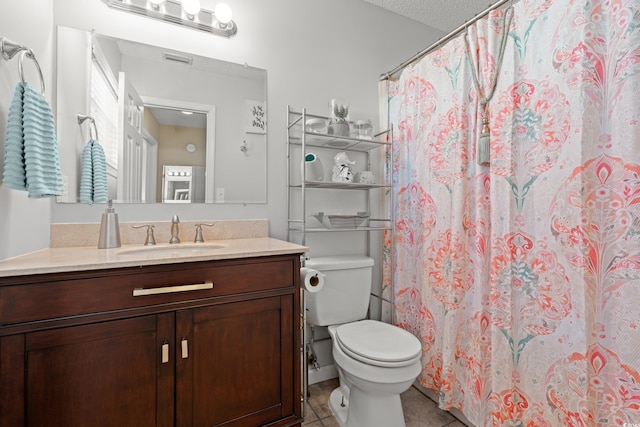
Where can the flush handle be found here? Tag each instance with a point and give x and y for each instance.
(185, 348)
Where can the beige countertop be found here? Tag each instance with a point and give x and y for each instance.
(55, 260)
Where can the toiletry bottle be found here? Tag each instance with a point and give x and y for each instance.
(109, 229)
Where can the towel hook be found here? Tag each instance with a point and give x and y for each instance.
(82, 118)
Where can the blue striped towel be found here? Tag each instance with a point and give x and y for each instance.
(86, 175)
(99, 162)
(40, 161)
(93, 174)
(13, 172)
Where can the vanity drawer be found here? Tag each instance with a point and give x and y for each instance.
(102, 291)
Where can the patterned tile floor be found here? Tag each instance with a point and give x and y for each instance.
(419, 410)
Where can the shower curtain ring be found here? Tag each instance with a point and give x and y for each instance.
(29, 53)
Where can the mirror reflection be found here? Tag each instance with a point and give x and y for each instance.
(174, 127)
(181, 138)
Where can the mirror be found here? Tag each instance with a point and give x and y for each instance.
(174, 127)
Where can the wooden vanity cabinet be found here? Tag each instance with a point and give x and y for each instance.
(103, 374)
(228, 355)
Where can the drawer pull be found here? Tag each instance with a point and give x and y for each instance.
(165, 353)
(185, 348)
(137, 292)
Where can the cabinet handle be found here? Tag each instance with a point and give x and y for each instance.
(165, 353)
(172, 289)
(185, 348)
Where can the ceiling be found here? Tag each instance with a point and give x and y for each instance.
(173, 117)
(444, 15)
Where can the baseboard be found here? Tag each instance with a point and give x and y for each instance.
(324, 373)
(433, 396)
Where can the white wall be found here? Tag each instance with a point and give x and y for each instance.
(313, 50)
(24, 222)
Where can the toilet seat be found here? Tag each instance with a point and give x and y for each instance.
(378, 344)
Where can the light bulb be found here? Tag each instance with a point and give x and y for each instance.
(155, 4)
(191, 7)
(223, 13)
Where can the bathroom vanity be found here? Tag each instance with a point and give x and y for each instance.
(152, 339)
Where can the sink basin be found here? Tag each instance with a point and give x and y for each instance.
(171, 250)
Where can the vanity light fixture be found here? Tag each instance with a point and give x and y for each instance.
(223, 13)
(191, 8)
(182, 12)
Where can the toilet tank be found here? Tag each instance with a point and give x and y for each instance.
(345, 295)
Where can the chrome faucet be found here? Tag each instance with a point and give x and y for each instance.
(175, 230)
(199, 237)
(150, 240)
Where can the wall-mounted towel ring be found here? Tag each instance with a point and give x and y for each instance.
(82, 118)
(29, 54)
(9, 49)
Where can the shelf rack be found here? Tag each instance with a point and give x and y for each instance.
(298, 135)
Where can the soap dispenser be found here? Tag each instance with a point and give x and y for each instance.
(109, 229)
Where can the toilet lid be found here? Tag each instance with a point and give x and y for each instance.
(378, 343)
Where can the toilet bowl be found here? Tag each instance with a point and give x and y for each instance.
(376, 363)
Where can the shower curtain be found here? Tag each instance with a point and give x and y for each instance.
(522, 279)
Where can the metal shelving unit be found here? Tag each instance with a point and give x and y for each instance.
(297, 135)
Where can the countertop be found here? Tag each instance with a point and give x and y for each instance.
(56, 260)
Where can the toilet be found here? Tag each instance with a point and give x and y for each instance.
(376, 361)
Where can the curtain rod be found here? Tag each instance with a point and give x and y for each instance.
(443, 40)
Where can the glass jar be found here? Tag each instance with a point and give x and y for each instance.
(364, 129)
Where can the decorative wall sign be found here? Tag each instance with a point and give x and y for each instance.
(255, 117)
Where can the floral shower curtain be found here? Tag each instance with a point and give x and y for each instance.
(522, 279)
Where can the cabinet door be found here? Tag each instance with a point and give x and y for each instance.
(238, 366)
(105, 374)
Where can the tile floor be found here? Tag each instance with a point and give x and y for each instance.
(419, 410)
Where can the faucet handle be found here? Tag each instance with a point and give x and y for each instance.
(150, 239)
(199, 238)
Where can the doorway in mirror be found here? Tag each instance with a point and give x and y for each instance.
(183, 184)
